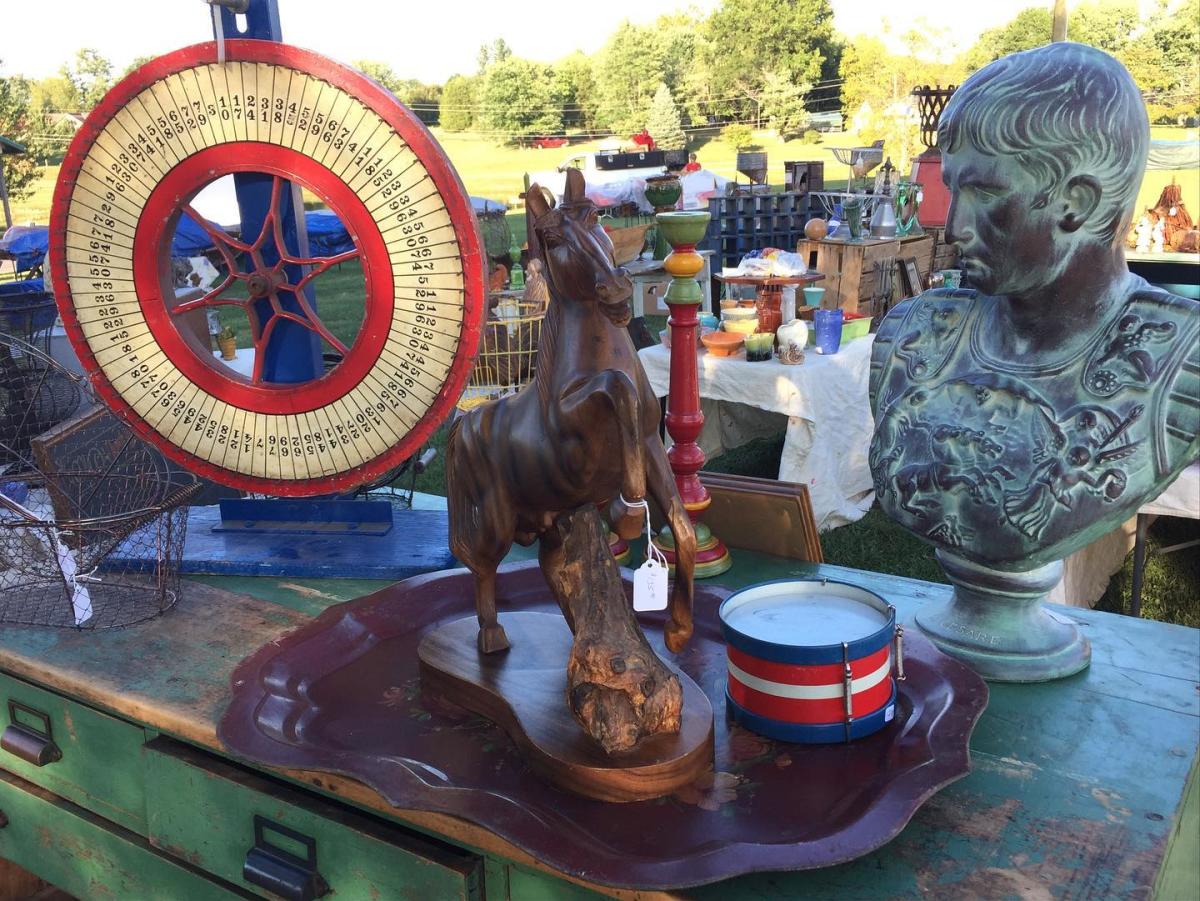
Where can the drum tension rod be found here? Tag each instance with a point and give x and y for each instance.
(848, 687)
(898, 648)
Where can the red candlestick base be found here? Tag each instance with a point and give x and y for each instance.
(684, 419)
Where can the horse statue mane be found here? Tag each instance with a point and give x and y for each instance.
(539, 465)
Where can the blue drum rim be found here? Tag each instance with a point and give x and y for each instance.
(808, 733)
(809, 655)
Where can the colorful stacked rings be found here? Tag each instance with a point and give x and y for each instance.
(811, 661)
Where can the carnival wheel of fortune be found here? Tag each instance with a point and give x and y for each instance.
(286, 119)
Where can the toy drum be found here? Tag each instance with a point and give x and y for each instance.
(811, 660)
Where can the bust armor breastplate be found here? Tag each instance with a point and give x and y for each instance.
(1014, 465)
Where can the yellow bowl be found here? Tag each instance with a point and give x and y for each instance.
(741, 326)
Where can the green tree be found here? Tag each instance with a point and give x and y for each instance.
(574, 91)
(55, 94)
(628, 72)
(783, 104)
(136, 63)
(677, 39)
(380, 72)
(1163, 62)
(495, 52)
(16, 124)
(873, 74)
(1107, 24)
(91, 75)
(663, 121)
(737, 136)
(745, 39)
(456, 111)
(421, 98)
(1030, 28)
(515, 100)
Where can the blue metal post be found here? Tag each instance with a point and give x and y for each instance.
(294, 352)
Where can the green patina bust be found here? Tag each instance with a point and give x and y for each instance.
(1018, 420)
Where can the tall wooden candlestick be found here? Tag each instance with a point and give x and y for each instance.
(684, 419)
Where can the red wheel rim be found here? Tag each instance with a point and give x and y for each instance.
(428, 370)
(153, 238)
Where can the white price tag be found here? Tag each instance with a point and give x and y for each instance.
(650, 587)
(81, 598)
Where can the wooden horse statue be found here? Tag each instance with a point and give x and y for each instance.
(537, 465)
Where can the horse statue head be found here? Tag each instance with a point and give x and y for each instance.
(578, 254)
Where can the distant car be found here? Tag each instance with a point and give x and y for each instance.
(546, 142)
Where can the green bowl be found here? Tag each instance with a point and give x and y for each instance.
(683, 226)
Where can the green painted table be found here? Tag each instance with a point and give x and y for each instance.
(1080, 788)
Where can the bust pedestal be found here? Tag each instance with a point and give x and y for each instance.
(997, 625)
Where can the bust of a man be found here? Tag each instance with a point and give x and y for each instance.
(1020, 418)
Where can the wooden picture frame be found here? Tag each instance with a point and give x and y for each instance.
(912, 277)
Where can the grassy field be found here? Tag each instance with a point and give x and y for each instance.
(497, 172)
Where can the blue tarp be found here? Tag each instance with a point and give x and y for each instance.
(326, 235)
(190, 239)
(27, 244)
(483, 206)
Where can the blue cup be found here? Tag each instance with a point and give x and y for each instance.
(708, 320)
(827, 329)
(812, 296)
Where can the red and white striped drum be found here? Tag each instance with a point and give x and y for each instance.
(811, 661)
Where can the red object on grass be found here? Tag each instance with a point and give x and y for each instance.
(643, 139)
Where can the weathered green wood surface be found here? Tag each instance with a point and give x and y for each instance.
(88, 857)
(203, 810)
(101, 763)
(1076, 789)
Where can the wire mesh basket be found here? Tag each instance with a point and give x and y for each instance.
(509, 344)
(92, 520)
(35, 395)
(508, 351)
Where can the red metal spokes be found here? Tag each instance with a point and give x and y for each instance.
(270, 280)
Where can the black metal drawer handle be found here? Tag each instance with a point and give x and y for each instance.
(28, 742)
(280, 872)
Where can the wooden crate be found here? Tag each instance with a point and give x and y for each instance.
(944, 254)
(851, 270)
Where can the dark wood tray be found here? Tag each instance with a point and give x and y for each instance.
(342, 694)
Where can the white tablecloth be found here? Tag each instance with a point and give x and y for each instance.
(1087, 571)
(828, 419)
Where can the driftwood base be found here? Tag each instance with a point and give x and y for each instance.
(524, 691)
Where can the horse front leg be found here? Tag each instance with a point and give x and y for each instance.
(660, 481)
(585, 410)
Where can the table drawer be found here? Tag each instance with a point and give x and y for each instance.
(87, 857)
(81, 754)
(272, 839)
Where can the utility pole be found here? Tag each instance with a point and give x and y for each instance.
(1058, 30)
